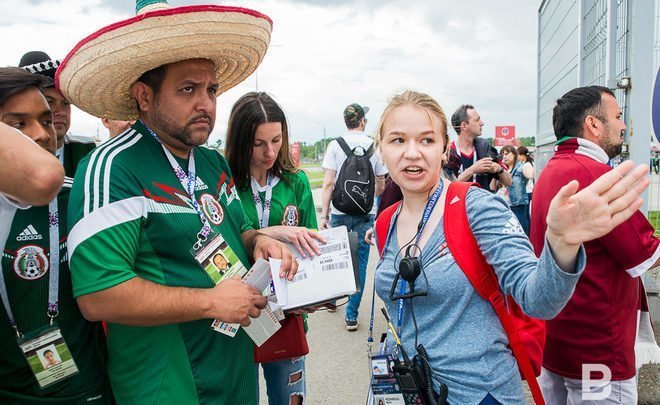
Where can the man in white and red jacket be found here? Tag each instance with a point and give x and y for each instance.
(599, 326)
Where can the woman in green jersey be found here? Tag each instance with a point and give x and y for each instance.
(277, 199)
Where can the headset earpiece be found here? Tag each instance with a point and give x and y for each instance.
(409, 267)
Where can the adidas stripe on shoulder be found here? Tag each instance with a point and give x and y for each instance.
(98, 170)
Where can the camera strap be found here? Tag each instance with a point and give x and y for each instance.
(460, 156)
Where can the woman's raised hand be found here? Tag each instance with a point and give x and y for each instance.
(578, 217)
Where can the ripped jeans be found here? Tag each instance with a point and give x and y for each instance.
(284, 379)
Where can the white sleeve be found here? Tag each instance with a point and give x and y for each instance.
(380, 169)
(6, 201)
(330, 158)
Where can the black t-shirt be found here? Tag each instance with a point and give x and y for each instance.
(482, 149)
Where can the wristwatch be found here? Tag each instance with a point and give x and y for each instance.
(326, 217)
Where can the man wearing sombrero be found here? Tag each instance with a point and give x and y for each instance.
(70, 148)
(148, 202)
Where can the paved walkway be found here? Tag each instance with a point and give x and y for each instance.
(337, 365)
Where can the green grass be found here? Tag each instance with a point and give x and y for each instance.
(314, 175)
(654, 219)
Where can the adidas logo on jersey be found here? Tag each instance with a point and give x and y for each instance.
(29, 233)
(513, 226)
(200, 185)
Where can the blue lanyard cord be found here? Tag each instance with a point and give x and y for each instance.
(54, 272)
(188, 181)
(370, 339)
(428, 210)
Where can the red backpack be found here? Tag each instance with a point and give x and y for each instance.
(526, 335)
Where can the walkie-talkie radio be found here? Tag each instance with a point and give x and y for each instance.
(414, 377)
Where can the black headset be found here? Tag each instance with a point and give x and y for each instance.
(410, 267)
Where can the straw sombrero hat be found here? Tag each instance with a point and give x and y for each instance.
(96, 76)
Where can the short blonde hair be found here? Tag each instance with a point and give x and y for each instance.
(417, 100)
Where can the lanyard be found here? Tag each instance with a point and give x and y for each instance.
(474, 159)
(263, 208)
(428, 210)
(54, 264)
(188, 181)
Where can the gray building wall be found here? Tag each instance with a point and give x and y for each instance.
(573, 50)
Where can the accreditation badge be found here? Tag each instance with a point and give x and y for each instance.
(218, 259)
(49, 356)
(220, 262)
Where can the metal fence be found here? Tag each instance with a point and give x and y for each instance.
(594, 42)
(595, 48)
(596, 61)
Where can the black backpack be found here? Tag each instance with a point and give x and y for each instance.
(355, 186)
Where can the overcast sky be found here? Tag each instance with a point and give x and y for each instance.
(325, 55)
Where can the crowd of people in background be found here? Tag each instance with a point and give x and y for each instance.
(106, 297)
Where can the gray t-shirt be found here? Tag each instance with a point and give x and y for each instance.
(466, 344)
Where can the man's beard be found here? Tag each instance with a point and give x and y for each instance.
(611, 149)
(181, 133)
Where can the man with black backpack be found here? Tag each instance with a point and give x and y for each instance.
(353, 177)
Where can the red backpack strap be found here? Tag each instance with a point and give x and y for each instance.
(382, 225)
(470, 259)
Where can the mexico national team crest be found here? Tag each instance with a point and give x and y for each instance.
(290, 216)
(212, 209)
(31, 262)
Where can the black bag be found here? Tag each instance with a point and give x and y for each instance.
(355, 186)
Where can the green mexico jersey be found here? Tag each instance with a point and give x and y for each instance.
(130, 217)
(75, 148)
(26, 269)
(291, 203)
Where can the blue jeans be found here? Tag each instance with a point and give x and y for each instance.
(359, 224)
(278, 376)
(522, 213)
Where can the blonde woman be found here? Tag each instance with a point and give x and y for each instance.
(466, 344)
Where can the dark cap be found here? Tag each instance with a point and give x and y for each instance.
(40, 63)
(353, 114)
